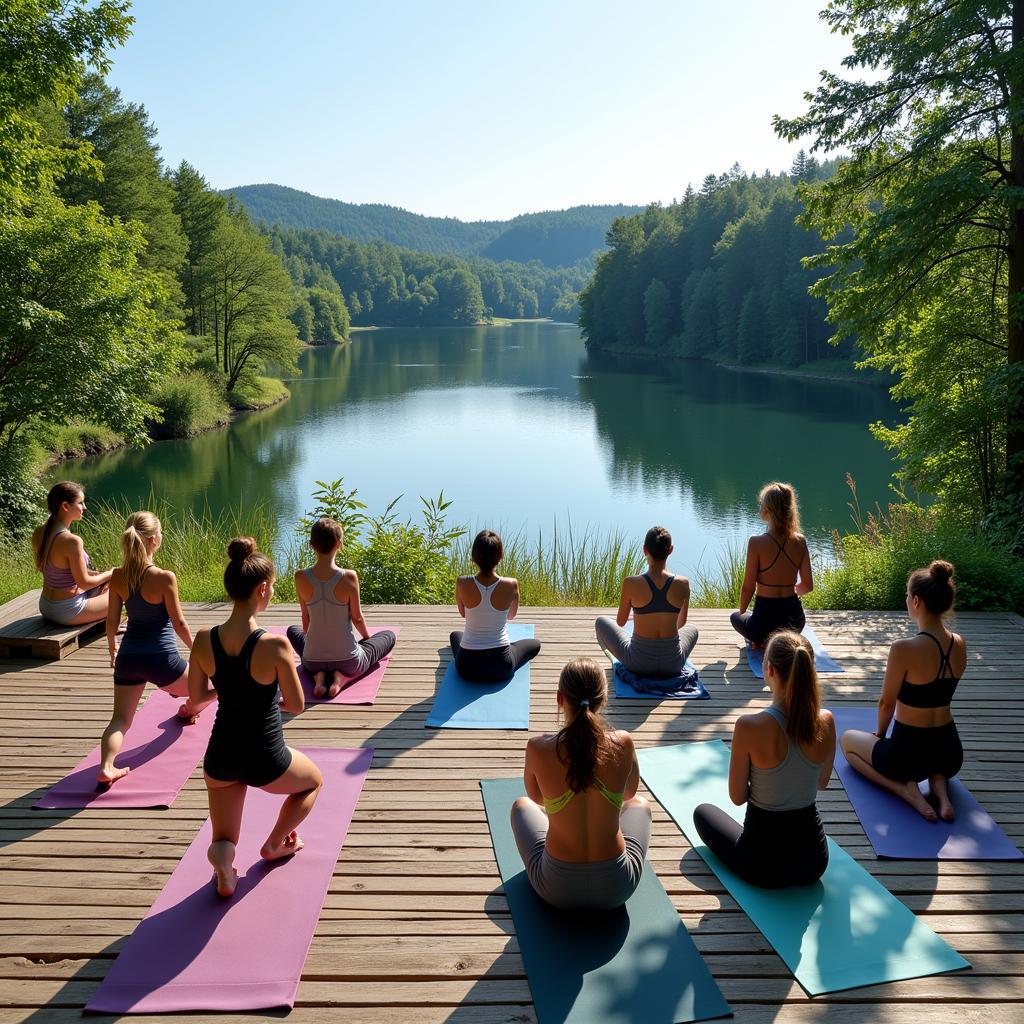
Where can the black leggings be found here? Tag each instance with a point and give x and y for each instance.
(771, 849)
(769, 615)
(493, 664)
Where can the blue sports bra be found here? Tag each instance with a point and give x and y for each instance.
(939, 692)
(659, 601)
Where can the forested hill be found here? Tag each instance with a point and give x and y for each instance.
(715, 275)
(556, 238)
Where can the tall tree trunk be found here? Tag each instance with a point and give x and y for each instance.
(1015, 267)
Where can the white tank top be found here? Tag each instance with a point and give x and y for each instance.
(330, 636)
(485, 624)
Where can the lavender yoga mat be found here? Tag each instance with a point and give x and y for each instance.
(196, 951)
(896, 830)
(362, 691)
(161, 750)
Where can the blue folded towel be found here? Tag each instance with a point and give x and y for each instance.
(685, 686)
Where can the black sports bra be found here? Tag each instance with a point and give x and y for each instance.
(781, 551)
(939, 692)
(659, 601)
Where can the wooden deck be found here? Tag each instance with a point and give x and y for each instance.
(415, 927)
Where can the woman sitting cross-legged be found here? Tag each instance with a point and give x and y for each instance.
(484, 653)
(780, 758)
(250, 670)
(148, 653)
(331, 617)
(659, 601)
(924, 742)
(582, 832)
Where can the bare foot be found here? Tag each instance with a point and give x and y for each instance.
(187, 715)
(222, 856)
(106, 779)
(337, 681)
(274, 851)
(946, 812)
(318, 684)
(913, 795)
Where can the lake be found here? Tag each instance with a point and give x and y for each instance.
(525, 430)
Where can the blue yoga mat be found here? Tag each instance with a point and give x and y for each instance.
(896, 830)
(633, 965)
(823, 661)
(842, 932)
(625, 691)
(459, 704)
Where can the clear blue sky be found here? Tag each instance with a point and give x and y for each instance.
(474, 109)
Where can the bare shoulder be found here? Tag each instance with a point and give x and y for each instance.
(541, 744)
(622, 739)
(275, 644)
(827, 720)
(165, 577)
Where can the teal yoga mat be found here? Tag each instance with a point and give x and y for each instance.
(459, 704)
(633, 965)
(843, 932)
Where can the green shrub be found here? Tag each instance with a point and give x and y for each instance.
(22, 497)
(257, 393)
(189, 404)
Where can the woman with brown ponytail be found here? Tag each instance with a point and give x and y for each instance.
(148, 653)
(780, 758)
(924, 742)
(778, 570)
(582, 831)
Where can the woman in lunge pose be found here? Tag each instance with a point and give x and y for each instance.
(148, 653)
(483, 652)
(249, 670)
(778, 570)
(331, 617)
(582, 831)
(921, 676)
(780, 758)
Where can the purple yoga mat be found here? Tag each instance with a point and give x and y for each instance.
(896, 830)
(196, 951)
(161, 750)
(362, 691)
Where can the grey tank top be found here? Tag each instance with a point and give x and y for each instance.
(330, 636)
(788, 786)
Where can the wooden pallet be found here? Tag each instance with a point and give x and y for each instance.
(24, 633)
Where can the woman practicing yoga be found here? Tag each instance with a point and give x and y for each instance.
(331, 617)
(148, 653)
(582, 831)
(483, 653)
(778, 570)
(250, 669)
(661, 640)
(780, 758)
(72, 593)
(920, 680)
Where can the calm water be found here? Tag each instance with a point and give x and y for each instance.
(524, 428)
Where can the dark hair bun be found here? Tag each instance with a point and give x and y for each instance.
(241, 548)
(942, 571)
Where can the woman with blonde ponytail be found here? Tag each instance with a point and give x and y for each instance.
(778, 570)
(582, 831)
(780, 758)
(148, 653)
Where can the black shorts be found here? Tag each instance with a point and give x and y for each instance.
(254, 770)
(769, 615)
(912, 754)
(159, 667)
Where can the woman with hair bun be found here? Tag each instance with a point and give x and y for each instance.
(778, 570)
(250, 670)
(582, 832)
(148, 653)
(780, 758)
(921, 676)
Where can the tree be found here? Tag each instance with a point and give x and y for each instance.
(657, 315)
(750, 340)
(931, 189)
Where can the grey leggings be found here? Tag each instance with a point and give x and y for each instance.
(601, 885)
(368, 653)
(654, 659)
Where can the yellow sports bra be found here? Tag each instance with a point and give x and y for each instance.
(555, 804)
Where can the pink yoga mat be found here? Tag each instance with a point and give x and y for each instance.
(196, 951)
(161, 750)
(362, 691)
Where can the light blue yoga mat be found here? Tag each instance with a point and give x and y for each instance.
(633, 965)
(459, 704)
(625, 691)
(842, 932)
(823, 661)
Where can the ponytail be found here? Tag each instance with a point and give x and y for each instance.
(139, 527)
(779, 501)
(65, 491)
(792, 657)
(582, 744)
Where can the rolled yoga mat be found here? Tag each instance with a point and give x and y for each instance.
(459, 704)
(161, 750)
(633, 965)
(842, 932)
(196, 951)
(896, 830)
(823, 661)
(362, 691)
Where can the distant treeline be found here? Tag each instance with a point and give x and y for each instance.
(555, 238)
(715, 275)
(382, 284)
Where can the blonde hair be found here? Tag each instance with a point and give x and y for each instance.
(138, 528)
(792, 657)
(779, 501)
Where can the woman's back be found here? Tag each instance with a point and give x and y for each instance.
(330, 636)
(148, 619)
(930, 667)
(247, 707)
(778, 561)
(487, 610)
(656, 600)
(784, 774)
